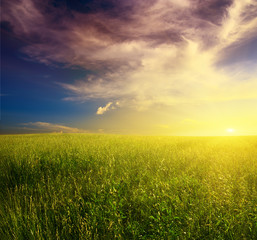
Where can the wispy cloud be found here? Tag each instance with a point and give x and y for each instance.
(143, 52)
(51, 127)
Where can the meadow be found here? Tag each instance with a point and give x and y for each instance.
(90, 186)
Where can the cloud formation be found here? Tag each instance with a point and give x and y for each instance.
(51, 127)
(109, 106)
(102, 110)
(143, 52)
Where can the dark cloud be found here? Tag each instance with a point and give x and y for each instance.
(6, 26)
(212, 10)
(65, 32)
(72, 31)
(109, 20)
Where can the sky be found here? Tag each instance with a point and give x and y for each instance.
(148, 67)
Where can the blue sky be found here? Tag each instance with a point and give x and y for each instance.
(29, 90)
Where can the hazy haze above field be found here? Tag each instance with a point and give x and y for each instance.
(175, 67)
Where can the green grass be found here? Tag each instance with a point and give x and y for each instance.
(86, 186)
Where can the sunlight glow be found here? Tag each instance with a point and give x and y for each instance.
(230, 130)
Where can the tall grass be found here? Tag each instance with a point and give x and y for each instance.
(82, 186)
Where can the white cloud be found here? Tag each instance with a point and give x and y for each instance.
(171, 74)
(109, 106)
(102, 110)
(50, 127)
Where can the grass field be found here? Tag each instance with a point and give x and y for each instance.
(86, 186)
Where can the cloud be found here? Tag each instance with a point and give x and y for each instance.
(107, 35)
(109, 106)
(50, 127)
(143, 53)
(102, 110)
(238, 33)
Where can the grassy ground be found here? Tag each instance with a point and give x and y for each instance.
(80, 186)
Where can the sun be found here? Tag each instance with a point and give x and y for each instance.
(230, 130)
